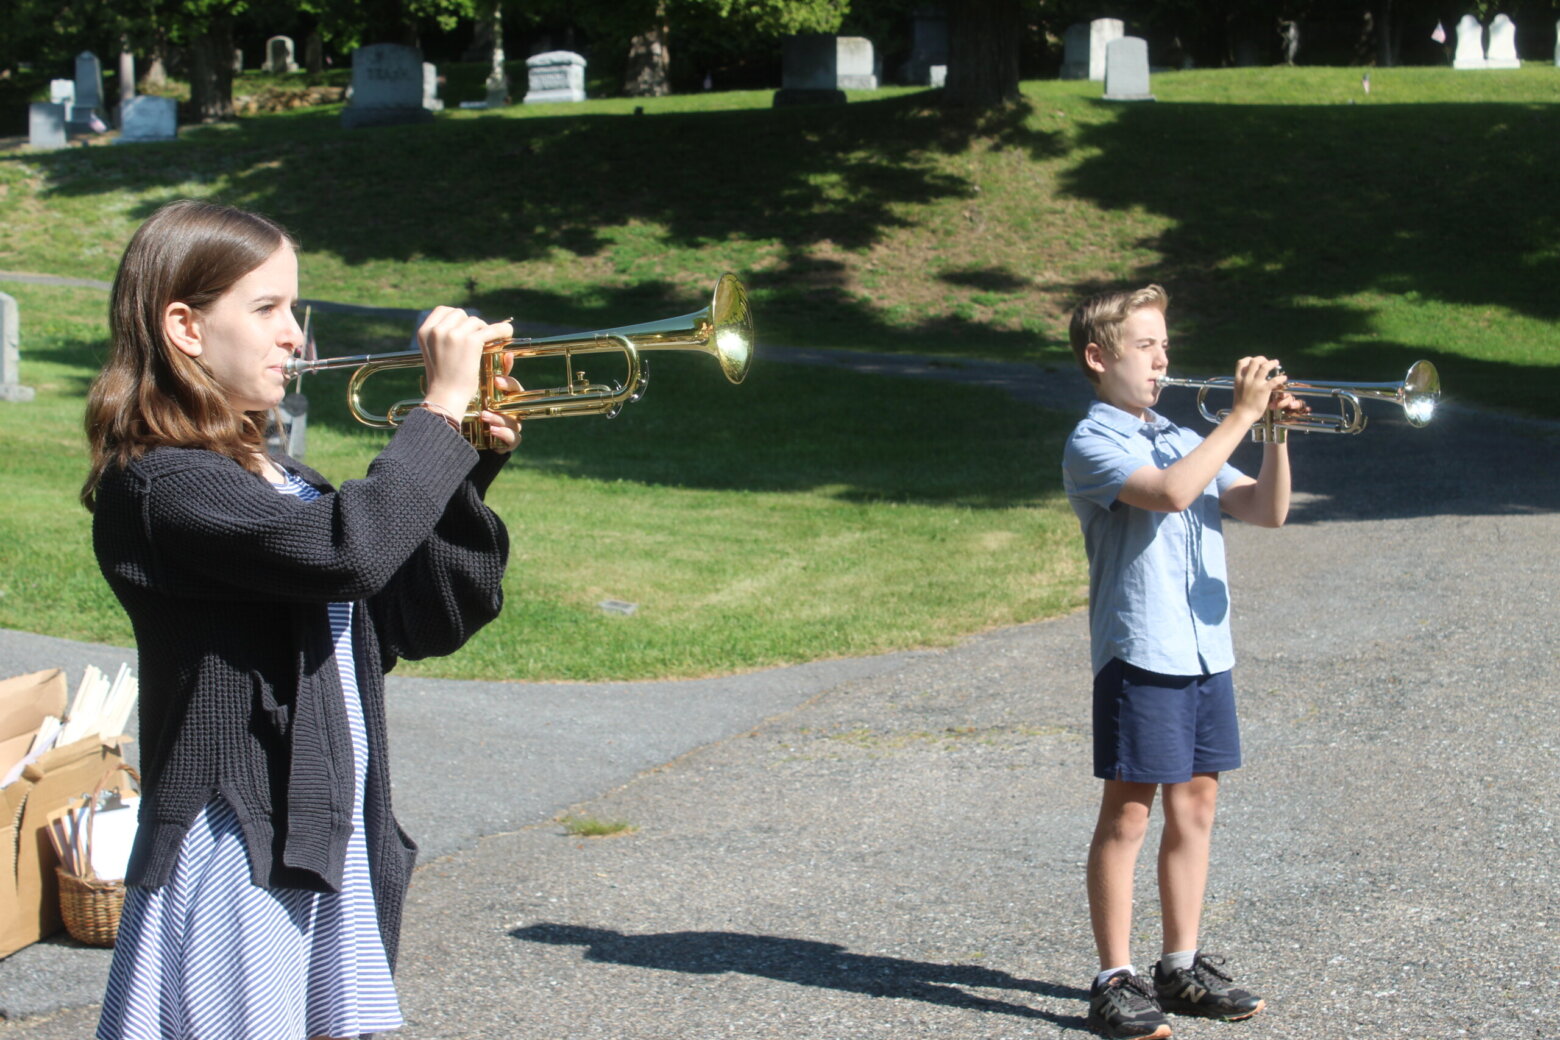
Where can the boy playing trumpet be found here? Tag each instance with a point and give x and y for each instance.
(1148, 495)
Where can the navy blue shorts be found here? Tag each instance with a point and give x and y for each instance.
(1161, 729)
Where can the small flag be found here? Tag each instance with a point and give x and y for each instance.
(1439, 36)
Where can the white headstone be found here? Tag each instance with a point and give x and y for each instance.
(1503, 44)
(279, 55)
(11, 388)
(430, 88)
(62, 92)
(1084, 48)
(1470, 44)
(856, 66)
(1126, 70)
(937, 76)
(148, 118)
(387, 87)
(555, 76)
(46, 125)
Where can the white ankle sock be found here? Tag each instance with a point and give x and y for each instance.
(1099, 980)
(1169, 962)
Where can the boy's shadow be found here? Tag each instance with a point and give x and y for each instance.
(806, 963)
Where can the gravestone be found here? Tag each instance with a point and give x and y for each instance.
(1083, 55)
(1502, 53)
(1470, 44)
(11, 388)
(279, 55)
(820, 67)
(62, 92)
(86, 115)
(46, 125)
(238, 60)
(148, 118)
(430, 88)
(928, 47)
(387, 87)
(554, 76)
(937, 76)
(1126, 70)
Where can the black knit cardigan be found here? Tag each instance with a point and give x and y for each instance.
(227, 584)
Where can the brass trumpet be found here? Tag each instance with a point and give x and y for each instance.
(1417, 395)
(723, 330)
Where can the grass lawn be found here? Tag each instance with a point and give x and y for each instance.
(810, 513)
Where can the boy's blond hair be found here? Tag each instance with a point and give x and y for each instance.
(1098, 319)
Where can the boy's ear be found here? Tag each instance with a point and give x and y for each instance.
(1094, 357)
(181, 326)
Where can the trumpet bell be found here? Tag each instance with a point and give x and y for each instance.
(1421, 392)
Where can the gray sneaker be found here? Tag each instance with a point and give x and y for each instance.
(1124, 1008)
(1205, 990)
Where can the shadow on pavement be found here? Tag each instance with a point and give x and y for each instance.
(806, 963)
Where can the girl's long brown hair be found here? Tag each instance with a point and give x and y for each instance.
(151, 394)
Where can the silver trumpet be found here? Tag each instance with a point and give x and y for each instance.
(1417, 395)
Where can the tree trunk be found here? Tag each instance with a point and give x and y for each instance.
(498, 80)
(650, 60)
(983, 49)
(211, 71)
(1386, 39)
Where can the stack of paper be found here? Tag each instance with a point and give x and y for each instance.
(101, 709)
(107, 846)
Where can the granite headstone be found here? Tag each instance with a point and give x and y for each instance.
(554, 76)
(387, 87)
(1126, 70)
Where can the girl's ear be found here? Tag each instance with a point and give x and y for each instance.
(181, 325)
(1094, 357)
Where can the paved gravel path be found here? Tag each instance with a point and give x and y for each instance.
(893, 847)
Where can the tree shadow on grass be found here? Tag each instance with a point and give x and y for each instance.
(805, 962)
(1285, 220)
(800, 175)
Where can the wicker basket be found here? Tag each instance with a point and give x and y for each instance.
(90, 906)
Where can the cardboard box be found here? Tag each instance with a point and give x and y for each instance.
(29, 890)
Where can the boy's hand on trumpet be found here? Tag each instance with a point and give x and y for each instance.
(1259, 388)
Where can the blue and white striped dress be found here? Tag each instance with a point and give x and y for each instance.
(212, 956)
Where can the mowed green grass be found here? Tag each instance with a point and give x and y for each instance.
(813, 512)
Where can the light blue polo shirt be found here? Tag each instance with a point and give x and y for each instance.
(1158, 596)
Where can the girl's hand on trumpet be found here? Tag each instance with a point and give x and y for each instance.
(452, 343)
(504, 429)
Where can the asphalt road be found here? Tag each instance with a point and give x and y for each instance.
(893, 846)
